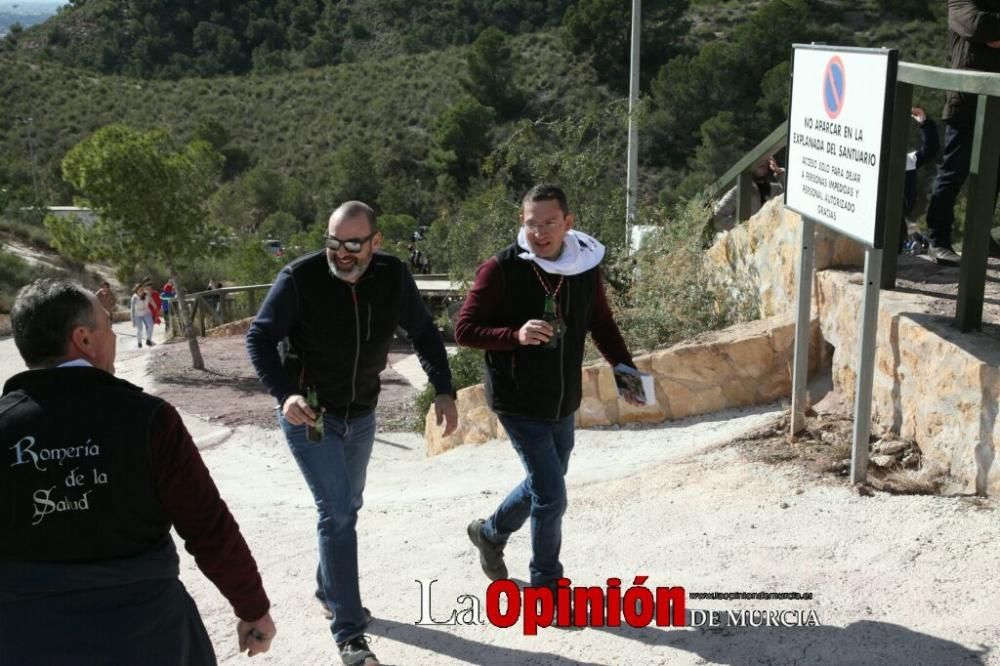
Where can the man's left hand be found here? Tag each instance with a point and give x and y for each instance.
(445, 409)
(633, 399)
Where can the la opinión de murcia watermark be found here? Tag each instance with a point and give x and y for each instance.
(637, 606)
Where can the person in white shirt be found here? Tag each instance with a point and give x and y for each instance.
(142, 314)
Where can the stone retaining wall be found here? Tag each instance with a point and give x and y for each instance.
(932, 384)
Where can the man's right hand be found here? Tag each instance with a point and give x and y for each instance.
(255, 637)
(534, 332)
(296, 411)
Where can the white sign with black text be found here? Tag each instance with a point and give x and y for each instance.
(837, 137)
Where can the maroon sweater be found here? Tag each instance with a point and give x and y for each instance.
(475, 327)
(202, 519)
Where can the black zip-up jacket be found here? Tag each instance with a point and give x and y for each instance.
(533, 380)
(336, 335)
(971, 25)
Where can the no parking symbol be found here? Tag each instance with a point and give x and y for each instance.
(834, 87)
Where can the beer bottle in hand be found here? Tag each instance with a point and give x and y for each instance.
(314, 433)
(551, 316)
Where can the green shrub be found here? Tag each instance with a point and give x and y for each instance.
(667, 292)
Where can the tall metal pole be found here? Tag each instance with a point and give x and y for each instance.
(30, 140)
(632, 177)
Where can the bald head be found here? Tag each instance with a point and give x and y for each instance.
(351, 209)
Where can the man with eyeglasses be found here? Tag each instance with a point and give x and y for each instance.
(333, 313)
(531, 307)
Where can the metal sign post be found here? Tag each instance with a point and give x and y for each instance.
(838, 144)
(803, 306)
(866, 366)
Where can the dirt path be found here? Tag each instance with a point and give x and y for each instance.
(896, 579)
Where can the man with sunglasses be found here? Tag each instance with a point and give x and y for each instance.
(531, 307)
(333, 313)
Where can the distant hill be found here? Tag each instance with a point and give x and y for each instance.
(290, 121)
(25, 14)
(398, 67)
(178, 38)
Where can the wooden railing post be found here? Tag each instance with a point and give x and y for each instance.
(743, 193)
(894, 187)
(979, 214)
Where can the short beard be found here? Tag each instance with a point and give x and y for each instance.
(347, 276)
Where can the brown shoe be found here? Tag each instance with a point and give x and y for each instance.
(490, 554)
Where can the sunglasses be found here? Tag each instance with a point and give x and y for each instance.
(352, 245)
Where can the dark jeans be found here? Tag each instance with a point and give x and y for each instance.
(544, 447)
(950, 178)
(335, 469)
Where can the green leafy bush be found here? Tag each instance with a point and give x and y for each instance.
(670, 294)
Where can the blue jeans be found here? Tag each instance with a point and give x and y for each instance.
(143, 322)
(544, 447)
(335, 469)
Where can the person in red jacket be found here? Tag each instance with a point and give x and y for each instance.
(95, 474)
(156, 304)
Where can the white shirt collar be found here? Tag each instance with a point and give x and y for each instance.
(76, 363)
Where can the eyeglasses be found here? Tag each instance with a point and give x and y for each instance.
(539, 228)
(352, 245)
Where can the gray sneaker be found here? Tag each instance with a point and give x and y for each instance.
(944, 255)
(355, 652)
(490, 554)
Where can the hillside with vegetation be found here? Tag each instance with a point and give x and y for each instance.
(437, 113)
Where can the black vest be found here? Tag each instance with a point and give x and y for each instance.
(76, 481)
(532, 380)
(341, 339)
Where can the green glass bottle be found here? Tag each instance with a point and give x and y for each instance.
(551, 315)
(314, 433)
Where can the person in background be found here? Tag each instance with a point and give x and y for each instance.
(154, 299)
(167, 294)
(106, 297)
(974, 36)
(913, 241)
(767, 178)
(142, 315)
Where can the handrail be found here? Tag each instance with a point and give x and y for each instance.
(229, 290)
(774, 141)
(959, 80)
(740, 172)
